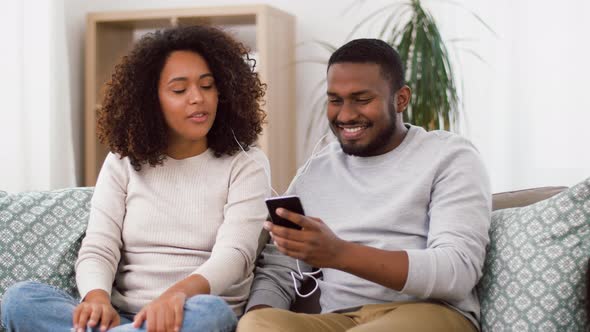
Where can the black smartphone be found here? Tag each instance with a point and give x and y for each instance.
(291, 203)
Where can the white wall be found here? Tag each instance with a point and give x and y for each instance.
(525, 109)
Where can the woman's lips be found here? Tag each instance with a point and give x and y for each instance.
(198, 117)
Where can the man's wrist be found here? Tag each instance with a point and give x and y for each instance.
(345, 252)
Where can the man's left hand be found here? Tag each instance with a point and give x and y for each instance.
(315, 243)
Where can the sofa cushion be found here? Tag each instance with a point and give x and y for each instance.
(535, 270)
(40, 235)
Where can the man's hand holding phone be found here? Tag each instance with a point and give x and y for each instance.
(314, 243)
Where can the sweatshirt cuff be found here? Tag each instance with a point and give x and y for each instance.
(421, 272)
(267, 297)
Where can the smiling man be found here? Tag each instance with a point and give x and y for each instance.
(363, 109)
(397, 217)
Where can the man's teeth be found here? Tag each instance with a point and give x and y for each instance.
(352, 130)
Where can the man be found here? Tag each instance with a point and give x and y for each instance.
(397, 217)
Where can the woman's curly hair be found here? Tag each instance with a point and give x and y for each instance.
(130, 121)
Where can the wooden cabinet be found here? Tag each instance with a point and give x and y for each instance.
(269, 32)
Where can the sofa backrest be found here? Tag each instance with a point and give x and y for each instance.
(519, 198)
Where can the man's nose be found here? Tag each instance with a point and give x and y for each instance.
(347, 113)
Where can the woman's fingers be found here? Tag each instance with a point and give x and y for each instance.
(83, 318)
(105, 319)
(89, 314)
(160, 314)
(76, 316)
(95, 314)
(151, 320)
(178, 316)
(139, 318)
(169, 314)
(116, 321)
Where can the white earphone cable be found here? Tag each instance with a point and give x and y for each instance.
(300, 275)
(256, 161)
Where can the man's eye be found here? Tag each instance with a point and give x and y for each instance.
(334, 101)
(364, 101)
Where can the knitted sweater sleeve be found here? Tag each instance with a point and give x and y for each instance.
(100, 252)
(233, 255)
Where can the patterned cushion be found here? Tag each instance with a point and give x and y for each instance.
(535, 270)
(40, 235)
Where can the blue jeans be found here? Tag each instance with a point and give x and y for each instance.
(33, 306)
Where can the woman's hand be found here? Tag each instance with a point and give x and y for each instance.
(164, 313)
(96, 308)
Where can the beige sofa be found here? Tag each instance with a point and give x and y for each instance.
(40, 234)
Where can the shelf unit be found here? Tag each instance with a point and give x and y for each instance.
(109, 36)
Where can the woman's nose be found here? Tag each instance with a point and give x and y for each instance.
(195, 96)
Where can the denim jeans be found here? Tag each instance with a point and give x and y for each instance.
(32, 306)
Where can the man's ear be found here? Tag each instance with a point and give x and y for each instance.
(402, 98)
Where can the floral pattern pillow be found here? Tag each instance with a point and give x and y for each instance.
(40, 235)
(534, 276)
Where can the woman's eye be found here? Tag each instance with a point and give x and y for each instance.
(207, 87)
(179, 91)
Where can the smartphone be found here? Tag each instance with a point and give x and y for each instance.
(291, 203)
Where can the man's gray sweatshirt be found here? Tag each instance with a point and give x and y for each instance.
(430, 196)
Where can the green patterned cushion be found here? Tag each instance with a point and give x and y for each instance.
(535, 270)
(40, 235)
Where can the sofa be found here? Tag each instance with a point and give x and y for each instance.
(534, 276)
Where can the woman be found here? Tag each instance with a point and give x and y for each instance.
(177, 208)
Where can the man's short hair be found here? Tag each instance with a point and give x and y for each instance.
(368, 50)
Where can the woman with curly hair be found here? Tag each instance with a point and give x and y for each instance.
(177, 208)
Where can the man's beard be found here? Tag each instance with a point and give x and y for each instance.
(371, 149)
